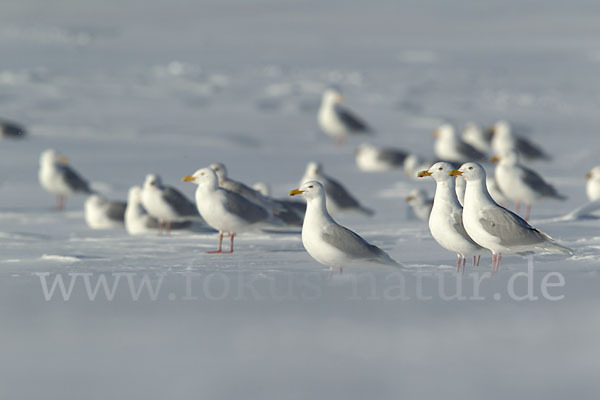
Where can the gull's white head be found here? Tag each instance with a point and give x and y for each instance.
(95, 200)
(204, 177)
(310, 190)
(332, 96)
(51, 156)
(508, 157)
(438, 171)
(501, 129)
(365, 148)
(313, 169)
(416, 197)
(134, 196)
(152, 180)
(594, 174)
(220, 170)
(444, 132)
(470, 171)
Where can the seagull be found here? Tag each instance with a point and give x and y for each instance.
(492, 188)
(472, 134)
(224, 210)
(328, 242)
(137, 219)
(521, 184)
(294, 210)
(243, 190)
(338, 198)
(504, 140)
(58, 178)
(495, 228)
(166, 203)
(371, 158)
(445, 221)
(420, 203)
(449, 147)
(11, 130)
(101, 213)
(592, 188)
(336, 120)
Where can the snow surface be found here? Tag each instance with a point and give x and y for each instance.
(125, 88)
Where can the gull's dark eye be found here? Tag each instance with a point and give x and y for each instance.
(202, 173)
(310, 187)
(441, 168)
(216, 169)
(470, 167)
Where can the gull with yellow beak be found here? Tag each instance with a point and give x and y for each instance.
(338, 121)
(330, 243)
(57, 177)
(223, 210)
(521, 184)
(495, 228)
(445, 221)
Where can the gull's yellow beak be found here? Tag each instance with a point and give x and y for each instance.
(296, 191)
(340, 98)
(189, 178)
(455, 172)
(495, 159)
(490, 131)
(436, 133)
(423, 174)
(588, 175)
(63, 159)
(409, 198)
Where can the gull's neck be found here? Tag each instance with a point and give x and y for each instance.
(316, 211)
(445, 192)
(476, 193)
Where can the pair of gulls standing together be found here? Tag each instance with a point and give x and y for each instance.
(482, 225)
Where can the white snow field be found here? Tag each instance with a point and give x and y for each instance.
(126, 88)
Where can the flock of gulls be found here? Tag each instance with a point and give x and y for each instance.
(465, 216)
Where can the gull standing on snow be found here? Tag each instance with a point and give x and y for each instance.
(101, 213)
(58, 178)
(371, 158)
(449, 147)
(494, 227)
(445, 221)
(476, 137)
(592, 187)
(225, 211)
(420, 203)
(504, 140)
(338, 198)
(166, 203)
(521, 184)
(137, 219)
(328, 242)
(336, 120)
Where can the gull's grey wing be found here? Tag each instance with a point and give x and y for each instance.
(339, 194)
(291, 214)
(529, 150)
(353, 245)
(11, 130)
(244, 208)
(511, 229)
(180, 203)
(116, 211)
(470, 152)
(351, 121)
(73, 179)
(392, 156)
(537, 183)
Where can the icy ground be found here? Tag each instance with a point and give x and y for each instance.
(128, 88)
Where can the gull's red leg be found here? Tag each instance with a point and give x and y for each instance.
(219, 250)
